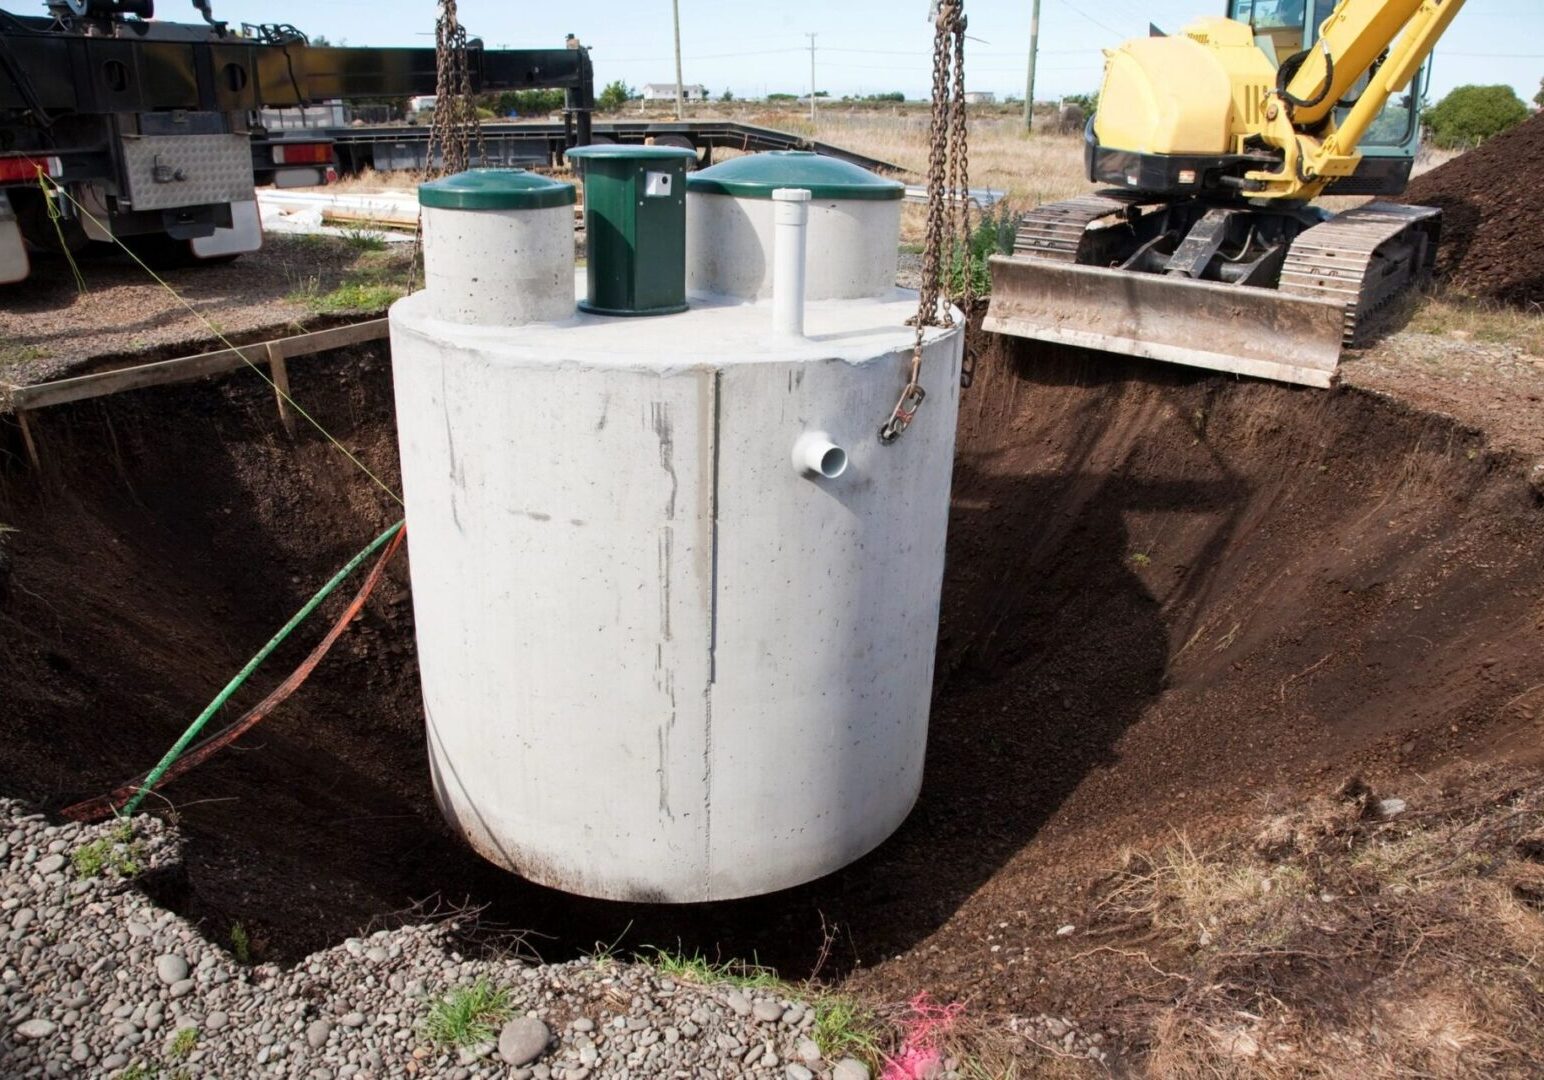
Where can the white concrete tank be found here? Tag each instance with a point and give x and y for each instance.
(854, 226)
(676, 604)
(498, 247)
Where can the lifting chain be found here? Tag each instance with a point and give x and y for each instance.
(948, 178)
(455, 121)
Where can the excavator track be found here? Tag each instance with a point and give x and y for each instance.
(1056, 231)
(1363, 258)
(1064, 283)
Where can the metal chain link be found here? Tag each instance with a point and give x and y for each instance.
(947, 172)
(455, 122)
(959, 182)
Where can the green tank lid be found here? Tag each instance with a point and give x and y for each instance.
(757, 176)
(629, 151)
(495, 189)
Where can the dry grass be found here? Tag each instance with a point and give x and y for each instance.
(1031, 169)
(1335, 943)
(1446, 313)
(369, 181)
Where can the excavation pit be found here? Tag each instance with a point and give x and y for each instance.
(1170, 599)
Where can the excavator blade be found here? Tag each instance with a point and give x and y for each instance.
(1241, 329)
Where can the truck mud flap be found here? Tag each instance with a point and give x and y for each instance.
(14, 264)
(1240, 329)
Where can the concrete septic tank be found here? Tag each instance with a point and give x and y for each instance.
(854, 226)
(498, 246)
(676, 604)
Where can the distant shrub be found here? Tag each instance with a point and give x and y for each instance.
(616, 94)
(529, 102)
(1471, 114)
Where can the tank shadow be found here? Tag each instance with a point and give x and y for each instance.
(1050, 646)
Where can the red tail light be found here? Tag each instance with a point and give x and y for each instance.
(20, 169)
(298, 153)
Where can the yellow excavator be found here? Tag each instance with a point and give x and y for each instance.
(1207, 248)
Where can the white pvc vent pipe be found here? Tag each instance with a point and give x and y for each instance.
(814, 454)
(791, 209)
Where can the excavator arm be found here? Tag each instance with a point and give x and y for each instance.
(1386, 40)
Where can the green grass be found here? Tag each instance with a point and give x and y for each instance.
(845, 1028)
(241, 943)
(139, 1071)
(376, 279)
(365, 237)
(468, 1015)
(697, 968)
(16, 354)
(183, 1043)
(353, 294)
(118, 851)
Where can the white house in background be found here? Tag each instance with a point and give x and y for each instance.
(980, 97)
(666, 92)
(423, 103)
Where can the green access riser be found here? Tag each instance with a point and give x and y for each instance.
(635, 221)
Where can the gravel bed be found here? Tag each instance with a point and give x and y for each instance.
(96, 980)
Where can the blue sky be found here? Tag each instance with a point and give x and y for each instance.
(864, 46)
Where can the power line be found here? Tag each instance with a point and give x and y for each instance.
(703, 56)
(976, 53)
(1101, 25)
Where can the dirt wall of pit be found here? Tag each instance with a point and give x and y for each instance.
(1170, 597)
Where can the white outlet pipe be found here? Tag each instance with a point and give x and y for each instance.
(814, 454)
(791, 218)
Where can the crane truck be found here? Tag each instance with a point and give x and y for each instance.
(1207, 248)
(153, 128)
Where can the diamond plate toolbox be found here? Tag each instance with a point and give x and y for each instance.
(167, 171)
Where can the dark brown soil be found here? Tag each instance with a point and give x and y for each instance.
(1171, 600)
(1492, 223)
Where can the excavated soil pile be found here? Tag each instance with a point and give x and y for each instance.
(1170, 600)
(1492, 230)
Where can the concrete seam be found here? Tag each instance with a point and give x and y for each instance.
(715, 388)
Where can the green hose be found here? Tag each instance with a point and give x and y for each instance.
(252, 665)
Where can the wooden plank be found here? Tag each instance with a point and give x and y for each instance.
(26, 438)
(185, 368)
(279, 373)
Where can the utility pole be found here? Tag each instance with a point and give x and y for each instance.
(1034, 45)
(680, 90)
(812, 78)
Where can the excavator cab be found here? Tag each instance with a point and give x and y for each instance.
(1207, 248)
(1283, 28)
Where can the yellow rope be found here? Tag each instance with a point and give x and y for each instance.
(48, 182)
(53, 217)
